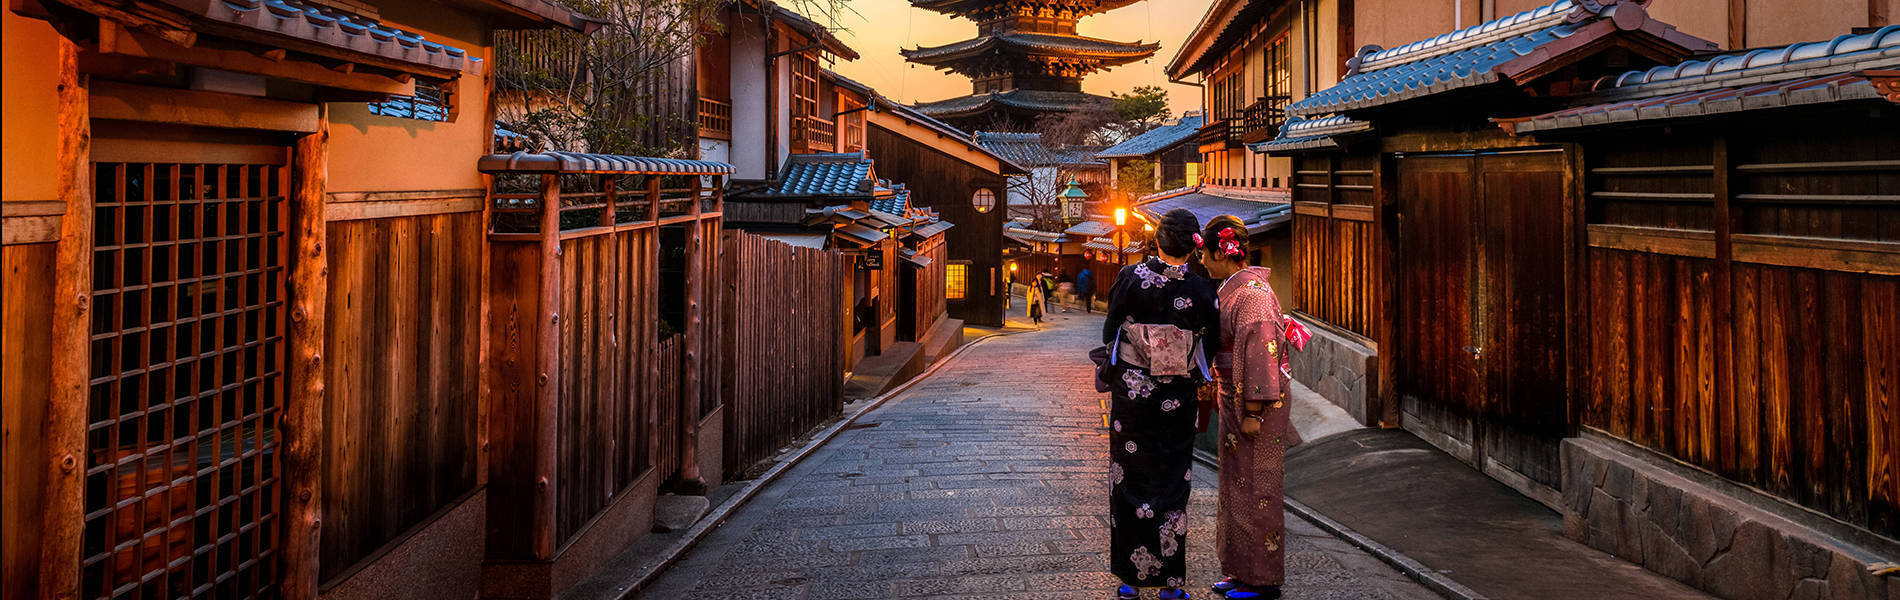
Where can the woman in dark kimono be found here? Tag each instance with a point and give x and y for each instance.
(1254, 429)
(1161, 321)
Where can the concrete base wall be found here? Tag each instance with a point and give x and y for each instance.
(1339, 369)
(1730, 541)
(442, 558)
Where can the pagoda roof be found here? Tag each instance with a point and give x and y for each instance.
(1033, 44)
(1022, 100)
(966, 8)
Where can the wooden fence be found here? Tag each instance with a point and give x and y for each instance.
(1741, 300)
(1335, 240)
(784, 342)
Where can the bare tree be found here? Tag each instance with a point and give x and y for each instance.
(627, 88)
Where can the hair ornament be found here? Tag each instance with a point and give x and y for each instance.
(1197, 240)
(1228, 244)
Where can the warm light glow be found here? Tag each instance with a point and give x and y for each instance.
(1121, 217)
(1148, 227)
(1012, 267)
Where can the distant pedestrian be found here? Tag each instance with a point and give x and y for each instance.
(1253, 383)
(1085, 289)
(1161, 322)
(1033, 297)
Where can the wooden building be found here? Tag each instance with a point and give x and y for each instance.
(1608, 251)
(244, 296)
(1170, 153)
(760, 94)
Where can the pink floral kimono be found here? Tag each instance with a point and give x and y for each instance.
(1253, 383)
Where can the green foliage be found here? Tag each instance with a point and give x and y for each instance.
(1137, 177)
(1146, 104)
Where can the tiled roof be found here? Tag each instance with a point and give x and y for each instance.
(809, 27)
(1027, 149)
(1024, 234)
(1027, 100)
(1484, 54)
(1808, 73)
(825, 174)
(575, 162)
(1090, 229)
(1226, 24)
(961, 8)
(861, 234)
(932, 229)
(1311, 134)
(507, 140)
(1259, 216)
(1042, 44)
(1155, 140)
(311, 23)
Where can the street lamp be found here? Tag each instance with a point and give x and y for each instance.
(1073, 200)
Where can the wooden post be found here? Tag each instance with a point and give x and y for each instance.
(548, 362)
(65, 426)
(608, 183)
(653, 199)
(690, 482)
(302, 425)
(1385, 176)
(1722, 280)
(484, 386)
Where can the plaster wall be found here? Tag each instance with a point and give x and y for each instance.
(1779, 22)
(748, 97)
(781, 115)
(28, 101)
(1390, 24)
(370, 153)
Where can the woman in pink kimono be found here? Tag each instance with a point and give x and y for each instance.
(1252, 378)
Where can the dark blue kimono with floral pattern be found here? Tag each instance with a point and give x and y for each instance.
(1151, 423)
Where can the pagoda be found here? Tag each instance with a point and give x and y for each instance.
(1025, 61)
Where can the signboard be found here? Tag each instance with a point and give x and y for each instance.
(873, 260)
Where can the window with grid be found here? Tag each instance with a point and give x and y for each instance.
(1276, 78)
(956, 280)
(186, 381)
(804, 89)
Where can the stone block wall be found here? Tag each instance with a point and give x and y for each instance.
(1339, 369)
(1735, 545)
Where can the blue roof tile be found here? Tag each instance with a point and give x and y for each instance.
(827, 174)
(1155, 140)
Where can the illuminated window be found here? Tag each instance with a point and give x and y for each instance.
(984, 200)
(956, 280)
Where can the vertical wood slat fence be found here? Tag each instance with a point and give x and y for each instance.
(784, 343)
(590, 337)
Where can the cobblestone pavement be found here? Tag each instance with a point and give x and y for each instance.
(986, 480)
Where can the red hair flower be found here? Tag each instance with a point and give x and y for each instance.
(1197, 240)
(1228, 244)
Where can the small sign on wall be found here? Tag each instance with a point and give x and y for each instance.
(873, 260)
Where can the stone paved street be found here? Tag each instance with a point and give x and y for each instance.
(984, 481)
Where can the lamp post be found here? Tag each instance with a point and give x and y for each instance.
(1073, 200)
(1121, 220)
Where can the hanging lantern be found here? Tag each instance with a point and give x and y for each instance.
(1072, 200)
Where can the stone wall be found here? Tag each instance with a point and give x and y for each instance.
(1339, 368)
(1729, 541)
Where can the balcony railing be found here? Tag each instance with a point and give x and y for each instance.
(715, 119)
(1261, 120)
(818, 135)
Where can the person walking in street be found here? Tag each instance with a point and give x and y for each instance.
(1085, 289)
(1065, 289)
(1252, 379)
(1035, 296)
(1161, 321)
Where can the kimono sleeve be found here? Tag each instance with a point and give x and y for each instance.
(1260, 347)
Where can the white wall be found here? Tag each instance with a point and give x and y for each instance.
(748, 98)
(715, 150)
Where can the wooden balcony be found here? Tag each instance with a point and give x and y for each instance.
(715, 119)
(1260, 121)
(815, 134)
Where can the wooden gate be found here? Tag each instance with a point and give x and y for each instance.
(1481, 321)
(187, 369)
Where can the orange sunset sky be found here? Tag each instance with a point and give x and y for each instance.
(878, 28)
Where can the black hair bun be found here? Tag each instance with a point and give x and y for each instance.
(1175, 236)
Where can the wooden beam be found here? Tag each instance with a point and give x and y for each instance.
(65, 427)
(1675, 242)
(1738, 24)
(302, 428)
(382, 205)
(117, 40)
(30, 222)
(690, 482)
(548, 362)
(112, 100)
(1722, 280)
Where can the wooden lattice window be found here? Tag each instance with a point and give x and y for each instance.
(186, 381)
(804, 90)
(956, 280)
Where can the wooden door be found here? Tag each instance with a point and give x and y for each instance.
(1436, 370)
(187, 364)
(1481, 295)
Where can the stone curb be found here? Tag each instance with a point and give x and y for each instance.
(725, 510)
(1424, 575)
